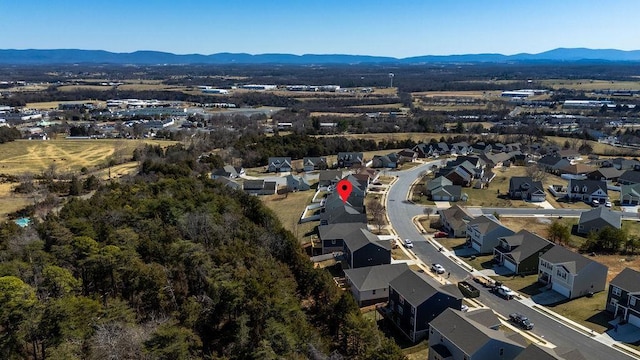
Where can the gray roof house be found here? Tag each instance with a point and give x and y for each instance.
(571, 274)
(370, 285)
(454, 335)
(630, 194)
(609, 174)
(525, 188)
(454, 220)
(389, 161)
(229, 183)
(259, 187)
(227, 171)
(314, 163)
(416, 299)
(538, 352)
(587, 190)
(437, 182)
(552, 163)
(598, 218)
(519, 252)
(349, 159)
(329, 177)
(448, 193)
(332, 236)
(279, 164)
(629, 177)
(485, 232)
(297, 183)
(623, 298)
(363, 248)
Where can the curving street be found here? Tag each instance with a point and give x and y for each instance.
(401, 212)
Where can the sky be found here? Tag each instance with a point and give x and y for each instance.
(396, 28)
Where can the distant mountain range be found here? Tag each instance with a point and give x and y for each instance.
(75, 56)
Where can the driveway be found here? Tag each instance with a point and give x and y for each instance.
(548, 297)
(545, 205)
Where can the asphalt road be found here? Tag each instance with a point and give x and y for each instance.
(401, 212)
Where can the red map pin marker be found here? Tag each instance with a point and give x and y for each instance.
(344, 188)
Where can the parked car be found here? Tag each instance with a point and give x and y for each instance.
(521, 321)
(437, 268)
(607, 204)
(408, 243)
(440, 234)
(464, 308)
(595, 202)
(504, 291)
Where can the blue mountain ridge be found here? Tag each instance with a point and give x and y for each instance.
(77, 56)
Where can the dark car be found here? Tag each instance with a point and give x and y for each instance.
(440, 234)
(521, 321)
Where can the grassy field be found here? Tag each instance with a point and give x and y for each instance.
(10, 201)
(288, 210)
(586, 311)
(24, 156)
(588, 84)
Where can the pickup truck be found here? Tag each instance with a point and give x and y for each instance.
(504, 291)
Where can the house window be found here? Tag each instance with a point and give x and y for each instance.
(501, 351)
(400, 310)
(333, 242)
(400, 300)
(412, 320)
(632, 301)
(616, 291)
(374, 291)
(613, 302)
(413, 310)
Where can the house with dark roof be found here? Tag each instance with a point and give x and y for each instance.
(332, 236)
(629, 177)
(454, 220)
(462, 174)
(625, 164)
(297, 183)
(538, 352)
(623, 298)
(587, 190)
(389, 161)
(314, 163)
(407, 155)
(484, 233)
(349, 159)
(525, 188)
(630, 194)
(279, 164)
(437, 182)
(608, 174)
(598, 218)
(552, 163)
(460, 148)
(455, 335)
(520, 252)
(571, 274)
(363, 248)
(576, 169)
(227, 171)
(342, 213)
(329, 177)
(416, 299)
(370, 285)
(259, 187)
(423, 150)
(232, 184)
(448, 193)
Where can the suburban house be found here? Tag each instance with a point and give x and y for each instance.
(449, 193)
(520, 252)
(416, 299)
(576, 169)
(389, 161)
(259, 187)
(552, 163)
(297, 183)
(571, 274)
(624, 296)
(455, 335)
(329, 177)
(598, 218)
(525, 188)
(588, 190)
(314, 163)
(460, 148)
(496, 159)
(279, 164)
(462, 174)
(625, 164)
(630, 194)
(454, 220)
(629, 177)
(484, 233)
(363, 248)
(342, 213)
(332, 236)
(349, 159)
(370, 285)
(423, 150)
(407, 155)
(232, 184)
(437, 182)
(608, 174)
(538, 352)
(227, 171)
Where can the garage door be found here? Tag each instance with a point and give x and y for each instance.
(509, 265)
(561, 289)
(634, 320)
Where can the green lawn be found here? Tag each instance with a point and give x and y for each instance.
(288, 209)
(527, 285)
(480, 262)
(589, 312)
(452, 243)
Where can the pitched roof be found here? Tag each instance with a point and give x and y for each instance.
(330, 175)
(363, 237)
(456, 215)
(374, 277)
(576, 169)
(549, 160)
(537, 352)
(465, 333)
(525, 184)
(416, 288)
(450, 190)
(485, 317)
(485, 223)
(608, 172)
(601, 212)
(339, 230)
(572, 261)
(438, 182)
(526, 244)
(628, 279)
(630, 176)
(591, 185)
(253, 184)
(630, 190)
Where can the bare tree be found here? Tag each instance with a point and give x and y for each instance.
(536, 172)
(377, 212)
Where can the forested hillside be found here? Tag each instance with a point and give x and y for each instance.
(178, 267)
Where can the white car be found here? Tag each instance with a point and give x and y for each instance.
(437, 268)
(408, 243)
(505, 292)
(607, 204)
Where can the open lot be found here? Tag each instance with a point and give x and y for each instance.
(288, 209)
(588, 84)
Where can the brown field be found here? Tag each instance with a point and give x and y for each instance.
(288, 209)
(457, 94)
(318, 114)
(24, 156)
(587, 84)
(381, 106)
(10, 201)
